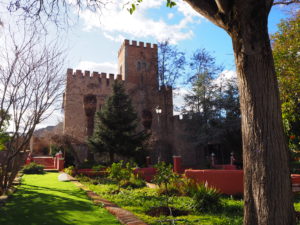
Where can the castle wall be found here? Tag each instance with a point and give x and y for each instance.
(193, 156)
(81, 84)
(86, 93)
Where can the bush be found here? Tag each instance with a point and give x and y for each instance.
(133, 182)
(119, 173)
(87, 165)
(173, 189)
(189, 187)
(99, 167)
(33, 168)
(165, 177)
(83, 178)
(206, 199)
(55, 149)
(70, 170)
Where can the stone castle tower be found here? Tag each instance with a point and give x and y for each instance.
(86, 92)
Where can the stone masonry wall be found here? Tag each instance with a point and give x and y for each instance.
(78, 86)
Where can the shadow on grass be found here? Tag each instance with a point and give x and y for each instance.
(74, 193)
(38, 205)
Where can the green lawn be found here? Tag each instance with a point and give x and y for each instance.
(141, 200)
(43, 200)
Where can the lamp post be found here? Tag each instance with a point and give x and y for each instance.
(158, 111)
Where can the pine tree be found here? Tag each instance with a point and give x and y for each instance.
(115, 126)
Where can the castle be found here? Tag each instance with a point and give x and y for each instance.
(137, 67)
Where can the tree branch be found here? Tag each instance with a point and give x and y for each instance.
(209, 9)
(284, 2)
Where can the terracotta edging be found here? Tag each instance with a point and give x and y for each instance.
(124, 216)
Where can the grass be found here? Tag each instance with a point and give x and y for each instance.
(140, 200)
(43, 200)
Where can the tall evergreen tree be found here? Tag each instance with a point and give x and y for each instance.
(115, 127)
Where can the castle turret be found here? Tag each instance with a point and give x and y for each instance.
(138, 67)
(138, 64)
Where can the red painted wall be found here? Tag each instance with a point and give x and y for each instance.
(227, 181)
(295, 178)
(48, 162)
(146, 173)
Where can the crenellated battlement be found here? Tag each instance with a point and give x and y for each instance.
(139, 44)
(87, 74)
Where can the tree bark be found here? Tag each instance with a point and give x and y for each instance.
(267, 185)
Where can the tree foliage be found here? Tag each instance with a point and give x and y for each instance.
(203, 94)
(115, 129)
(67, 144)
(286, 52)
(214, 116)
(202, 62)
(171, 64)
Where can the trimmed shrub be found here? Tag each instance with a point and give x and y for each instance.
(33, 168)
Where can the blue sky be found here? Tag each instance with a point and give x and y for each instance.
(92, 43)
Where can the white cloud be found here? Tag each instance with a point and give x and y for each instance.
(178, 98)
(224, 76)
(106, 67)
(116, 22)
(170, 15)
(118, 38)
(186, 9)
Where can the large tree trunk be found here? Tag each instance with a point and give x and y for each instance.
(267, 185)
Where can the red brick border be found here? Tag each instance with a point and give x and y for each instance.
(124, 216)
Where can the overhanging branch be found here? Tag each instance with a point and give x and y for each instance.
(286, 2)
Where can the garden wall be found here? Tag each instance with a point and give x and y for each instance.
(50, 163)
(47, 161)
(227, 181)
(146, 173)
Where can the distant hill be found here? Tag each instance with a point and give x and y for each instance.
(43, 132)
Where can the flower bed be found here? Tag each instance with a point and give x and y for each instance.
(91, 172)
